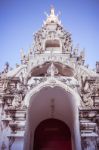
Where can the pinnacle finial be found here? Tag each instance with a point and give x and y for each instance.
(22, 53)
(52, 17)
(52, 11)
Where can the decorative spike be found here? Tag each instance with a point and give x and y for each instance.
(22, 53)
(46, 14)
(82, 53)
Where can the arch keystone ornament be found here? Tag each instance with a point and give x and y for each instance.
(51, 100)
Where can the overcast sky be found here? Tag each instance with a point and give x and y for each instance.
(19, 19)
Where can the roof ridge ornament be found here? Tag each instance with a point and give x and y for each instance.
(52, 70)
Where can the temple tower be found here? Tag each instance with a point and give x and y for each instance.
(51, 100)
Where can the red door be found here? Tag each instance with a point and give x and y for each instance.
(52, 134)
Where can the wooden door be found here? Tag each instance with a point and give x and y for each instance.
(52, 134)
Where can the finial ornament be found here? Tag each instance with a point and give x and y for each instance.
(22, 53)
(82, 53)
(52, 11)
(52, 18)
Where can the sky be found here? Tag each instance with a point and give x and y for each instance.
(20, 19)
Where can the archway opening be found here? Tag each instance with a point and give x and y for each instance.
(52, 134)
(52, 102)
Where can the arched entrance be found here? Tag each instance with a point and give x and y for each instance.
(46, 102)
(52, 134)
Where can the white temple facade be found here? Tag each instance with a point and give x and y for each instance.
(51, 100)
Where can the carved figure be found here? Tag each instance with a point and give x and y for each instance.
(17, 101)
